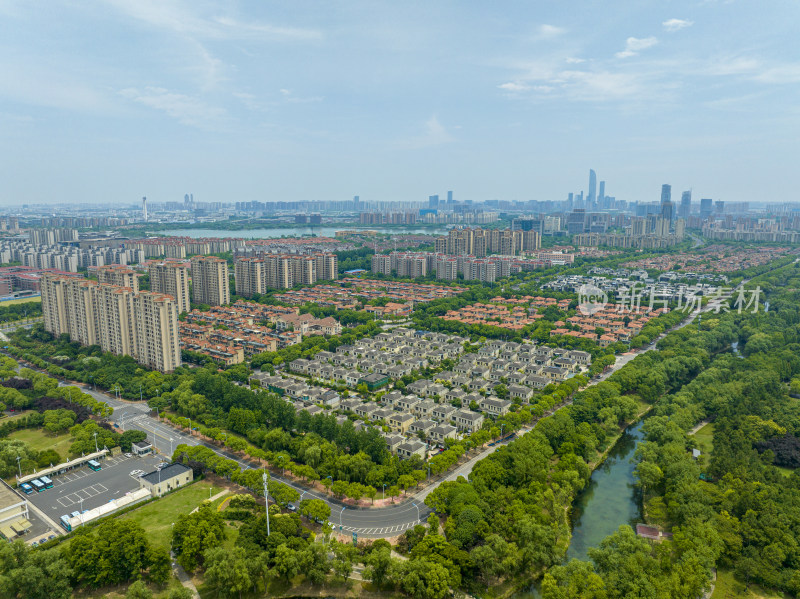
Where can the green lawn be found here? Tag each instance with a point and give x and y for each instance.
(158, 516)
(39, 439)
(22, 300)
(704, 439)
(727, 587)
(15, 416)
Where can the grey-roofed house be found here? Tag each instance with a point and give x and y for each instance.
(411, 448)
(167, 479)
(495, 406)
(439, 433)
(468, 421)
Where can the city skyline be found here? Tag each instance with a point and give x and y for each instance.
(115, 101)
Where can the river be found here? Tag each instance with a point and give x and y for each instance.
(606, 503)
(300, 230)
(610, 499)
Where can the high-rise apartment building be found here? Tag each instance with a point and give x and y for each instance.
(249, 276)
(210, 281)
(171, 278)
(118, 275)
(143, 325)
(283, 271)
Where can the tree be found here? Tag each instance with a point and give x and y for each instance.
(315, 509)
(370, 492)
(180, 593)
(379, 564)
(138, 590)
(195, 533)
(406, 481)
(287, 563)
(227, 571)
(160, 569)
(433, 524)
(342, 563)
(283, 494)
(393, 491)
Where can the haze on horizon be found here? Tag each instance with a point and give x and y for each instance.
(109, 100)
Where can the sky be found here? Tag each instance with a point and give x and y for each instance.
(110, 100)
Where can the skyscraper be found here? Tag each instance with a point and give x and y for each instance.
(706, 207)
(449, 197)
(667, 212)
(144, 208)
(591, 197)
(601, 196)
(686, 204)
(666, 193)
(433, 202)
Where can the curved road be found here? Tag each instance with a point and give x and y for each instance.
(387, 521)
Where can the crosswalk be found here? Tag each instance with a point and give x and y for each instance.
(380, 532)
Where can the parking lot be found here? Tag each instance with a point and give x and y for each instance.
(85, 489)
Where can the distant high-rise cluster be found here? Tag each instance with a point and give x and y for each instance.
(52, 236)
(282, 271)
(120, 320)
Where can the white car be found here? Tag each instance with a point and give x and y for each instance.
(127, 455)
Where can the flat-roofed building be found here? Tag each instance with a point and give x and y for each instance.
(121, 276)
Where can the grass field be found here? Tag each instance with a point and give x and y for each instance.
(704, 438)
(22, 300)
(158, 516)
(39, 439)
(14, 416)
(727, 587)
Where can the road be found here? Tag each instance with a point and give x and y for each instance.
(386, 521)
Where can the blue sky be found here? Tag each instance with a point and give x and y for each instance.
(238, 101)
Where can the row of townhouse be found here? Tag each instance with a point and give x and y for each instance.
(359, 291)
(390, 354)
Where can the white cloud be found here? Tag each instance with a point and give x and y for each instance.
(285, 92)
(786, 73)
(185, 109)
(634, 45)
(435, 134)
(182, 18)
(548, 32)
(512, 86)
(673, 25)
(573, 60)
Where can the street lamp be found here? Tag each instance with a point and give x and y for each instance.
(95, 442)
(19, 466)
(384, 491)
